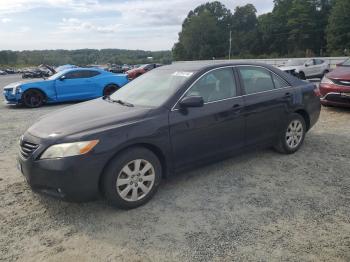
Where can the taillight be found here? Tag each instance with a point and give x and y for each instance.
(317, 91)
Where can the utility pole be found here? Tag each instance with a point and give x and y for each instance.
(229, 51)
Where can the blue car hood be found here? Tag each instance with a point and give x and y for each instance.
(85, 117)
(25, 83)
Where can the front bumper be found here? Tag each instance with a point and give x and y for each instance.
(335, 95)
(336, 99)
(11, 98)
(72, 178)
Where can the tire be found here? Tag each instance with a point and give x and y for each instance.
(292, 136)
(325, 73)
(109, 89)
(33, 98)
(122, 180)
(302, 75)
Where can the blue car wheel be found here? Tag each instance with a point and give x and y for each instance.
(33, 98)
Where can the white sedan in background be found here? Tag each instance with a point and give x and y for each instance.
(306, 68)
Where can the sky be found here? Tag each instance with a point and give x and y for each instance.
(74, 24)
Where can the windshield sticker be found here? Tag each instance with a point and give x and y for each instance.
(183, 74)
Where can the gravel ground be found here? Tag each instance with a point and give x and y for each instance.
(260, 206)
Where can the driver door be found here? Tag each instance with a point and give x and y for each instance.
(217, 127)
(75, 85)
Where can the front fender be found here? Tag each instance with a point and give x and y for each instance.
(47, 87)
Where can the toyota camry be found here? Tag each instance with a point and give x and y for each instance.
(168, 120)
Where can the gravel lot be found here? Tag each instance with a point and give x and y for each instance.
(261, 206)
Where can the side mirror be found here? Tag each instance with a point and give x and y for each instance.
(62, 78)
(306, 65)
(191, 101)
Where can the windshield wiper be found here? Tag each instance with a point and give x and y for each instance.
(124, 103)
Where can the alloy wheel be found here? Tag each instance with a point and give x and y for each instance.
(294, 134)
(135, 180)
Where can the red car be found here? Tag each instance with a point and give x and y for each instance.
(335, 86)
(136, 72)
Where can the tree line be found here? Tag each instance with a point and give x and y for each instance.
(294, 28)
(83, 57)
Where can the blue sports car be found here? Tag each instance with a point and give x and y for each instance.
(75, 84)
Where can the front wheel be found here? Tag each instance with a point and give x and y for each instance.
(292, 136)
(325, 73)
(33, 98)
(132, 178)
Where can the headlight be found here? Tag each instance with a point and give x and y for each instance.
(69, 149)
(326, 80)
(16, 89)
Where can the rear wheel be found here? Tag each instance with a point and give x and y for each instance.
(132, 178)
(292, 136)
(109, 89)
(302, 76)
(325, 73)
(33, 98)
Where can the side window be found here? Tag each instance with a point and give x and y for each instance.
(75, 75)
(91, 73)
(82, 74)
(279, 82)
(216, 85)
(319, 61)
(256, 79)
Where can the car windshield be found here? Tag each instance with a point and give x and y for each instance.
(151, 89)
(346, 62)
(57, 75)
(295, 62)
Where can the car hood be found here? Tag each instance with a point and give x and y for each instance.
(85, 117)
(341, 73)
(288, 68)
(24, 82)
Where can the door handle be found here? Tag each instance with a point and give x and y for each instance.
(236, 108)
(288, 95)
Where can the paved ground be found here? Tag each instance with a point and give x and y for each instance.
(261, 206)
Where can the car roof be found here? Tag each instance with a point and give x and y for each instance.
(202, 66)
(205, 65)
(83, 69)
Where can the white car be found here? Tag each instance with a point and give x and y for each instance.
(306, 68)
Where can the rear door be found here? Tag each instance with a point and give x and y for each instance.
(268, 99)
(215, 128)
(77, 85)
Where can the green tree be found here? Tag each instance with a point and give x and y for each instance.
(204, 33)
(338, 30)
(245, 30)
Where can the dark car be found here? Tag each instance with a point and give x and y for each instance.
(335, 86)
(166, 121)
(117, 69)
(35, 73)
(10, 71)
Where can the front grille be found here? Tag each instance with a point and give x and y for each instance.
(26, 149)
(341, 82)
(337, 98)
